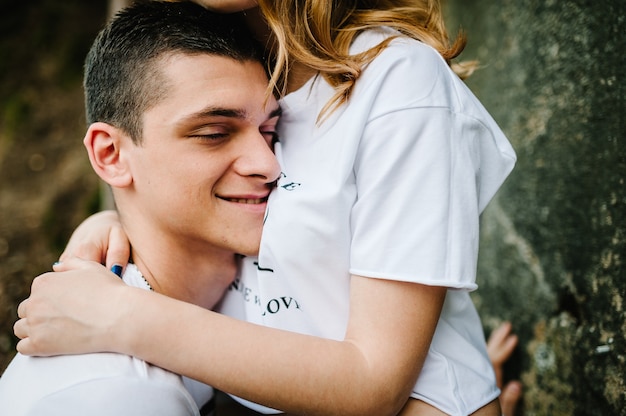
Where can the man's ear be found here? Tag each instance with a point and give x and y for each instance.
(106, 146)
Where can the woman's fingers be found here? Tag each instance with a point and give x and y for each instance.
(21, 309)
(501, 344)
(118, 251)
(510, 396)
(20, 328)
(68, 308)
(99, 238)
(72, 263)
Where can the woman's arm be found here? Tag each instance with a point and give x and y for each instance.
(371, 371)
(99, 238)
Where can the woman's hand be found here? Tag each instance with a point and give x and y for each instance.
(71, 312)
(99, 238)
(500, 346)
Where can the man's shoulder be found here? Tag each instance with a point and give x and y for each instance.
(122, 395)
(95, 384)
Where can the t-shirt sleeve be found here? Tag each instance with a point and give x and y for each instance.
(429, 160)
(416, 216)
(119, 396)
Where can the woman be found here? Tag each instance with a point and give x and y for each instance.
(359, 298)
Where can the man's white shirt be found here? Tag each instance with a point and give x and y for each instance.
(102, 384)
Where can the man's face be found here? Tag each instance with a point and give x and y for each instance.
(205, 166)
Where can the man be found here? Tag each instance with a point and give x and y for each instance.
(180, 127)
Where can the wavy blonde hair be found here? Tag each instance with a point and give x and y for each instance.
(319, 33)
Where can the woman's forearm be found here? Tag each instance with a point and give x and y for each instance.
(367, 373)
(282, 370)
(371, 371)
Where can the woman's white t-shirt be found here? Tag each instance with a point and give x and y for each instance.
(390, 186)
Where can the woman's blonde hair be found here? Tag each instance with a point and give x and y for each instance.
(318, 33)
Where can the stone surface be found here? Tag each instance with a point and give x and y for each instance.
(554, 240)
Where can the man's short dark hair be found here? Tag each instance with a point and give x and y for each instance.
(122, 72)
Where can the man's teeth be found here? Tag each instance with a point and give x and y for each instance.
(247, 201)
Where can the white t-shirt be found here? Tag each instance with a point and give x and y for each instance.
(390, 186)
(102, 384)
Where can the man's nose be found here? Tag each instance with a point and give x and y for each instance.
(257, 159)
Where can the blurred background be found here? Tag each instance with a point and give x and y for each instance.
(46, 186)
(554, 240)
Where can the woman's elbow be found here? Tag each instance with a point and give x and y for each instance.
(380, 401)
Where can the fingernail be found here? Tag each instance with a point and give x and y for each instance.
(117, 269)
(56, 263)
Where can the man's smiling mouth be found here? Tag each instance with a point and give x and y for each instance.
(245, 200)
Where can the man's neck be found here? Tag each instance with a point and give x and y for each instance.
(201, 282)
(185, 270)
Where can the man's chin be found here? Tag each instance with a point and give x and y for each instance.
(252, 251)
(249, 253)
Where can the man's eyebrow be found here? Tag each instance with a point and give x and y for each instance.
(217, 112)
(276, 113)
(227, 112)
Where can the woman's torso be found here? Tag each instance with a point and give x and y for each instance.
(389, 186)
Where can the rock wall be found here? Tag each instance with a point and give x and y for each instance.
(554, 240)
